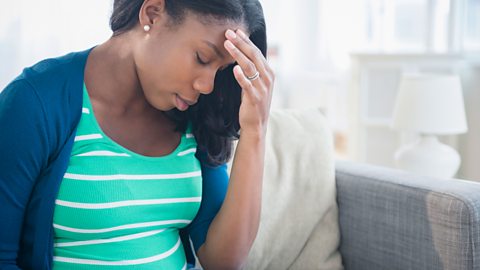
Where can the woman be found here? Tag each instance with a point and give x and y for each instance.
(115, 156)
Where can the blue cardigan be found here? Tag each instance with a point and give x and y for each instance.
(39, 113)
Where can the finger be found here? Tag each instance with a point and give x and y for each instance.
(252, 49)
(246, 46)
(268, 71)
(264, 60)
(244, 83)
(248, 67)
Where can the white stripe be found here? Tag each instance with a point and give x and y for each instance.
(125, 262)
(131, 176)
(126, 203)
(188, 151)
(184, 266)
(111, 240)
(85, 110)
(88, 137)
(123, 227)
(188, 135)
(102, 153)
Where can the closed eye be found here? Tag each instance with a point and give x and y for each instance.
(203, 63)
(200, 61)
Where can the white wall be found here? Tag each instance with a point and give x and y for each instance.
(470, 142)
(32, 30)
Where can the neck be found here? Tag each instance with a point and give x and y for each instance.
(111, 77)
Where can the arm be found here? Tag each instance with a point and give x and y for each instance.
(234, 229)
(214, 182)
(232, 232)
(23, 153)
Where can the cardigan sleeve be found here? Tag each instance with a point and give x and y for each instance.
(215, 184)
(23, 148)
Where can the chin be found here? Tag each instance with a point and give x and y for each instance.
(160, 104)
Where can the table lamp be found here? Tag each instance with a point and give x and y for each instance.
(429, 105)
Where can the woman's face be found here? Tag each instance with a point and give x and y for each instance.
(176, 65)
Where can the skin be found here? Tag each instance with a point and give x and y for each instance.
(134, 77)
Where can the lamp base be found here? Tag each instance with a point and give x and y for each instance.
(428, 156)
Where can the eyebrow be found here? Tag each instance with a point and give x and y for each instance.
(215, 49)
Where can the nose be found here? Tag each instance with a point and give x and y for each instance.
(204, 83)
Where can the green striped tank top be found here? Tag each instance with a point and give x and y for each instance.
(117, 209)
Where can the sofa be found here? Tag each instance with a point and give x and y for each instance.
(322, 213)
(391, 219)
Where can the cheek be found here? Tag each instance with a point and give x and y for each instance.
(156, 71)
(181, 68)
(167, 69)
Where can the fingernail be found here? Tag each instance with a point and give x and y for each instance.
(231, 34)
(229, 44)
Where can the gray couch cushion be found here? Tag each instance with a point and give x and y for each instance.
(391, 219)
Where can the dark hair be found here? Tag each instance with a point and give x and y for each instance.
(214, 118)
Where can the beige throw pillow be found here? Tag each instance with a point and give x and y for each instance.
(299, 221)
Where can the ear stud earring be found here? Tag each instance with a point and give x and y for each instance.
(146, 28)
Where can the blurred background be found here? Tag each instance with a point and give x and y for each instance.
(345, 57)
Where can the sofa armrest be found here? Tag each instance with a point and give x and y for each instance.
(391, 219)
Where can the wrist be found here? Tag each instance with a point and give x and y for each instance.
(254, 133)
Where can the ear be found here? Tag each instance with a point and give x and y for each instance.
(151, 12)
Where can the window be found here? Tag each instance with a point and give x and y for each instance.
(472, 26)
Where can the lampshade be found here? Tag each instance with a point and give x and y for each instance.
(430, 104)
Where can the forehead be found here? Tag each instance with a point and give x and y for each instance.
(201, 31)
(209, 25)
(201, 27)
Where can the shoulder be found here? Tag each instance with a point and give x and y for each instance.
(54, 87)
(56, 74)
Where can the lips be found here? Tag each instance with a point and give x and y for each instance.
(183, 104)
(190, 103)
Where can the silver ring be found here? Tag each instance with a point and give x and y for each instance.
(254, 76)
